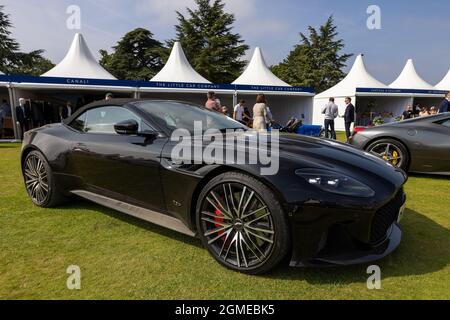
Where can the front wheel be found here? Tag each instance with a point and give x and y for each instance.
(39, 181)
(391, 151)
(242, 224)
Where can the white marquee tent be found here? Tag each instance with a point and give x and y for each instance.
(373, 98)
(79, 69)
(445, 83)
(284, 103)
(368, 103)
(410, 79)
(258, 73)
(79, 63)
(178, 69)
(78, 78)
(179, 81)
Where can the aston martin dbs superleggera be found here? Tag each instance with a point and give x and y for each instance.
(419, 145)
(328, 203)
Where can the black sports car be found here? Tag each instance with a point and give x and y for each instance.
(419, 145)
(328, 204)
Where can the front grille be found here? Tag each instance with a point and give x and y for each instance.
(385, 217)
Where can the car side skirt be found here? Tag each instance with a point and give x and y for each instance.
(137, 212)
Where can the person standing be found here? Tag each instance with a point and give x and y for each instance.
(408, 113)
(23, 116)
(349, 117)
(331, 112)
(433, 110)
(260, 113)
(269, 117)
(248, 120)
(5, 112)
(211, 103)
(239, 110)
(66, 111)
(109, 96)
(5, 109)
(424, 112)
(445, 105)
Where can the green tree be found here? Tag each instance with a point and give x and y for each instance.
(12, 61)
(8, 46)
(137, 56)
(32, 63)
(209, 42)
(315, 62)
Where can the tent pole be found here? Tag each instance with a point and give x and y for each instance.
(137, 94)
(12, 103)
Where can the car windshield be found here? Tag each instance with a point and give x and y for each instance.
(177, 115)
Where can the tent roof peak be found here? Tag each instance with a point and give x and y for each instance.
(358, 77)
(410, 79)
(445, 83)
(79, 62)
(258, 73)
(178, 69)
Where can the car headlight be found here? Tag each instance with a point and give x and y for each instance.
(335, 182)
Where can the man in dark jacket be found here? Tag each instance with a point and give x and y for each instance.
(23, 116)
(445, 105)
(349, 117)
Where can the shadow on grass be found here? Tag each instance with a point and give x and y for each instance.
(424, 249)
(429, 176)
(80, 204)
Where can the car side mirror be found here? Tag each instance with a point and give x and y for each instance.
(127, 127)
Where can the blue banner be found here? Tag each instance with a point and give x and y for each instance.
(149, 84)
(399, 91)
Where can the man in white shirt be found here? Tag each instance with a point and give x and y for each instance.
(238, 113)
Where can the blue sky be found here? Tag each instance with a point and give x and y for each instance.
(410, 29)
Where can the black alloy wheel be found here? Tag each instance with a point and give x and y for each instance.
(39, 181)
(242, 224)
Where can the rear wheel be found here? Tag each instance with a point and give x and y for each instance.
(242, 224)
(391, 151)
(39, 181)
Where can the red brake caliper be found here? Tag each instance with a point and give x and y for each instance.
(220, 220)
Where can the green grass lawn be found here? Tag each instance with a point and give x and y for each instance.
(124, 258)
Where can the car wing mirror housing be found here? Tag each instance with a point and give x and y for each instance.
(127, 127)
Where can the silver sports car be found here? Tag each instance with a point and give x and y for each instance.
(419, 145)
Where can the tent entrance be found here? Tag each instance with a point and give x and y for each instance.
(6, 120)
(428, 102)
(283, 108)
(372, 109)
(49, 105)
(198, 98)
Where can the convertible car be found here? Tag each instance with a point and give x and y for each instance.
(328, 204)
(419, 145)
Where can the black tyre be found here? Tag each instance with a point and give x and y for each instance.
(242, 223)
(39, 181)
(391, 151)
